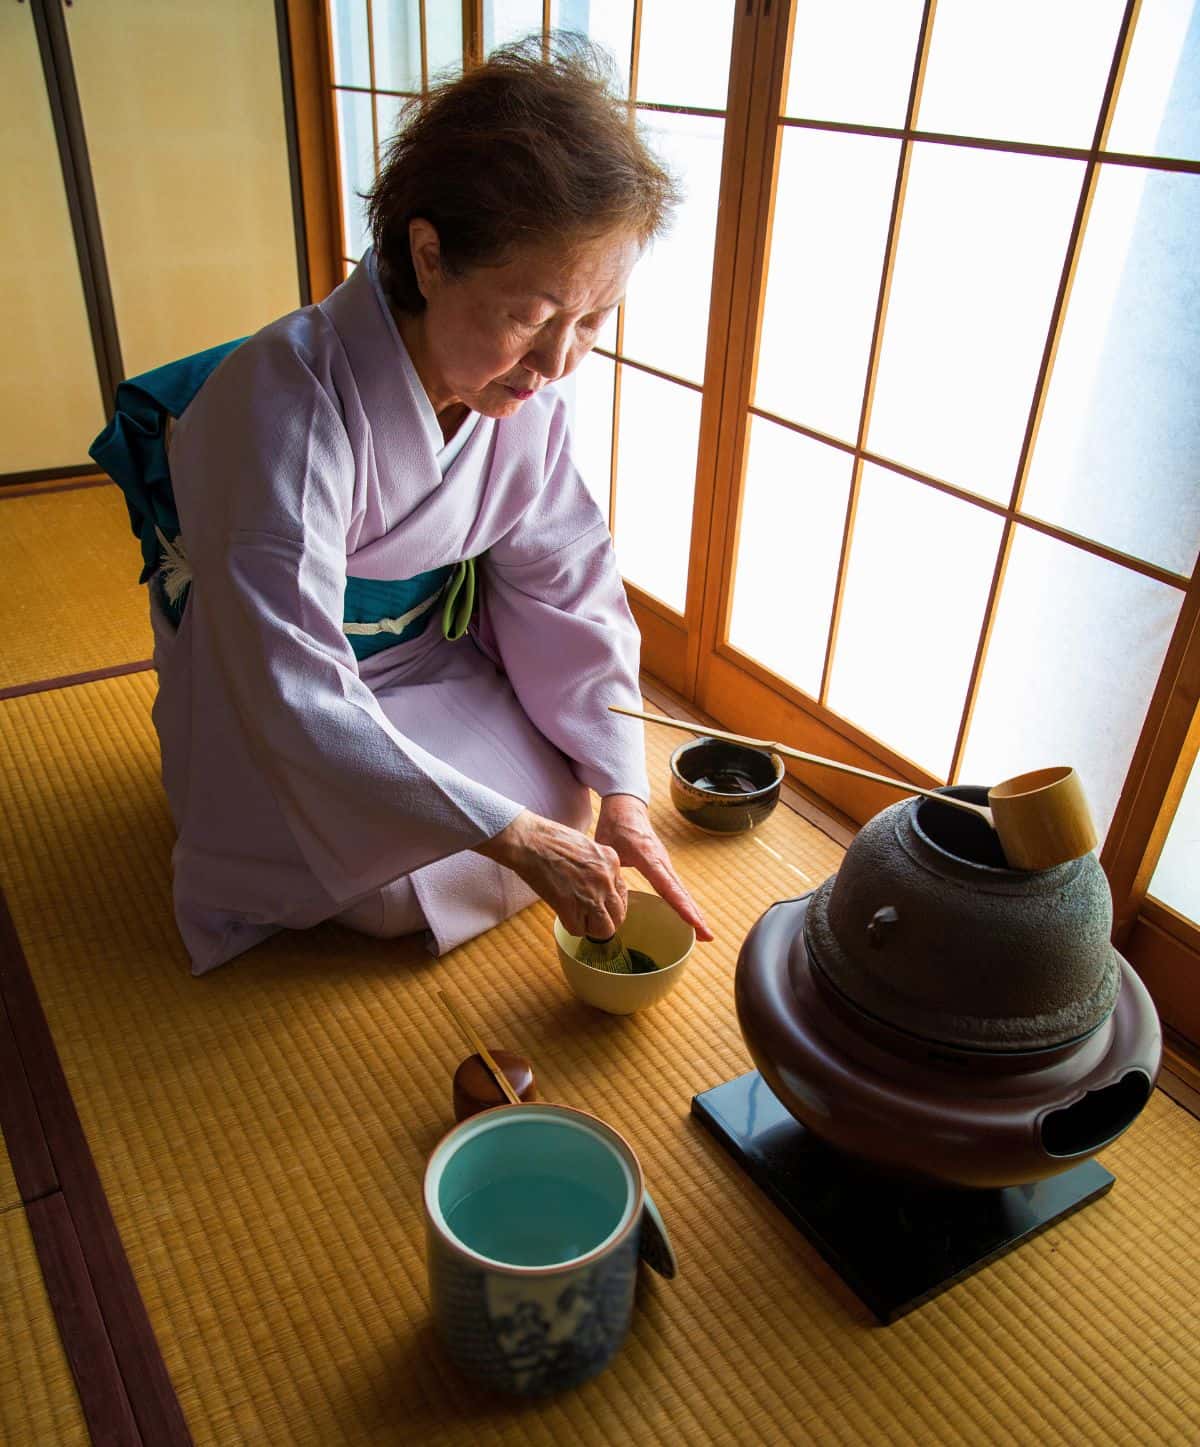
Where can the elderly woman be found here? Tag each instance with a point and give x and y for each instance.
(367, 480)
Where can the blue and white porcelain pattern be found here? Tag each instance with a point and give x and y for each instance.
(533, 1336)
(532, 1330)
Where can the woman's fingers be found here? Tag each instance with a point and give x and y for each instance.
(580, 878)
(598, 918)
(658, 871)
(641, 849)
(603, 917)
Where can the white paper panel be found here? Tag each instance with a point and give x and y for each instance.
(832, 206)
(588, 392)
(853, 61)
(1158, 108)
(793, 518)
(1118, 452)
(684, 55)
(1074, 656)
(666, 316)
(1176, 878)
(921, 563)
(1024, 70)
(659, 429)
(981, 251)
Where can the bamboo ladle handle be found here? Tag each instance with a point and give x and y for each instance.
(1041, 819)
(981, 811)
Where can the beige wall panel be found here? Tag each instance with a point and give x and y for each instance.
(50, 404)
(183, 108)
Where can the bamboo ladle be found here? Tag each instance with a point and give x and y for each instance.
(1041, 819)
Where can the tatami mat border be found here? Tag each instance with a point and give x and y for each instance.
(69, 680)
(102, 1395)
(32, 488)
(28, 1153)
(105, 1329)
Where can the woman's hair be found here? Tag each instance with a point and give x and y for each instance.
(523, 149)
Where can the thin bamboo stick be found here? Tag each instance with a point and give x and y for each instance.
(480, 1049)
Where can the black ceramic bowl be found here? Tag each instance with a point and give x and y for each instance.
(724, 788)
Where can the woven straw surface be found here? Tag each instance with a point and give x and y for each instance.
(262, 1132)
(70, 601)
(38, 1402)
(9, 1195)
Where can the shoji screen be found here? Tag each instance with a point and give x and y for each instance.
(183, 109)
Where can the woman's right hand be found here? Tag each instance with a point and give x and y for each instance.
(579, 879)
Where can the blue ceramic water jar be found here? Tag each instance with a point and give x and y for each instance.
(535, 1219)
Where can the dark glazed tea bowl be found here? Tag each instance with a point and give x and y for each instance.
(724, 788)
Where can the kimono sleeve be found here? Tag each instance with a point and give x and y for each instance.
(560, 621)
(269, 457)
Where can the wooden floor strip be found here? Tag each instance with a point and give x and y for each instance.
(20, 1122)
(102, 1393)
(151, 1395)
(69, 680)
(36, 489)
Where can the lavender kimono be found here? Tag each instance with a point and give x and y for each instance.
(306, 784)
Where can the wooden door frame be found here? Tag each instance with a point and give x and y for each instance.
(672, 645)
(316, 145)
(1161, 944)
(1158, 773)
(730, 684)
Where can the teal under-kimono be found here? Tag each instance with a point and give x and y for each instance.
(132, 449)
(315, 772)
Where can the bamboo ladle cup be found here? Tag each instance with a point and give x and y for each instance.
(1041, 819)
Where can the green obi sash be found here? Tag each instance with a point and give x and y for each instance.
(378, 614)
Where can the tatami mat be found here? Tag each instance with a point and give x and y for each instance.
(38, 1402)
(70, 601)
(261, 1133)
(9, 1195)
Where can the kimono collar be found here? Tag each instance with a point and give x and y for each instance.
(391, 391)
(446, 451)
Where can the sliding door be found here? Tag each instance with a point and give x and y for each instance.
(149, 210)
(958, 521)
(49, 389)
(184, 115)
(964, 516)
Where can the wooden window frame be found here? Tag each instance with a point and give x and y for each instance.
(715, 684)
(744, 694)
(1162, 944)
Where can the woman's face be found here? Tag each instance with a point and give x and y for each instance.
(496, 335)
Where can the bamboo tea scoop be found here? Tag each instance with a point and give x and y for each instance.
(503, 1084)
(1041, 818)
